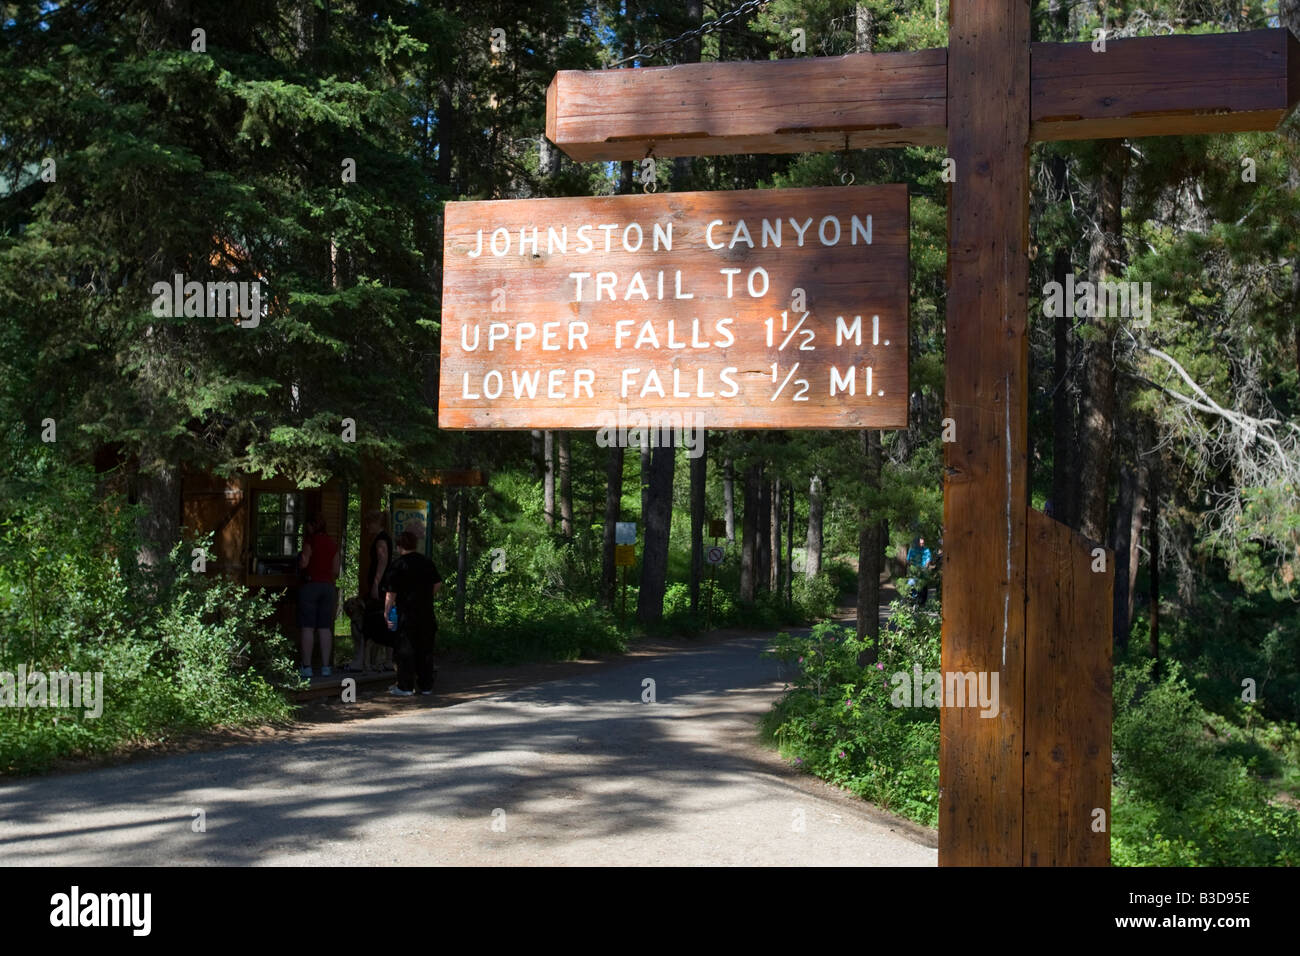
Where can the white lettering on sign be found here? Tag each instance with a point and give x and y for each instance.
(771, 308)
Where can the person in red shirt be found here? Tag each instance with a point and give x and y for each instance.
(320, 562)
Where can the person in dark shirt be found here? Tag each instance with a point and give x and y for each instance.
(410, 586)
(375, 629)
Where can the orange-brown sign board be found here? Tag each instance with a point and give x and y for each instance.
(624, 556)
(747, 309)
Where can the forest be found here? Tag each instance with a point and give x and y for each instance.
(313, 144)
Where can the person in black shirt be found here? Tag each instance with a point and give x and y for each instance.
(410, 586)
(381, 554)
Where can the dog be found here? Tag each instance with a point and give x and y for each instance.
(378, 657)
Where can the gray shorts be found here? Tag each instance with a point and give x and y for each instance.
(316, 605)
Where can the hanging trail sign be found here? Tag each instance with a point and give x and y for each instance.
(746, 309)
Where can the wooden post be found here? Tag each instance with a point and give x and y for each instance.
(1067, 699)
(981, 759)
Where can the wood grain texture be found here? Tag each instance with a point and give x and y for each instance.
(696, 361)
(981, 758)
(770, 106)
(1067, 698)
(1165, 85)
(1143, 86)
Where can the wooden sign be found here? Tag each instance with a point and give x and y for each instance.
(754, 309)
(624, 556)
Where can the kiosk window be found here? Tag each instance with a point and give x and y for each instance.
(280, 517)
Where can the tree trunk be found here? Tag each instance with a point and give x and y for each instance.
(813, 563)
(658, 522)
(689, 53)
(789, 546)
(763, 554)
(453, 511)
(749, 536)
(1096, 431)
(566, 488)
(699, 474)
(548, 479)
(462, 554)
(159, 526)
(645, 481)
(446, 116)
(538, 446)
(613, 507)
(862, 28)
(1120, 544)
(871, 551)
(775, 575)
(1155, 571)
(729, 498)
(1134, 547)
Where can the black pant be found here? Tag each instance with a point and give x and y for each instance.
(414, 653)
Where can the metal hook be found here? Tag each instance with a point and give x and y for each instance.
(653, 184)
(846, 177)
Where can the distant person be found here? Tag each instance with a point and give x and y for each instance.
(375, 630)
(320, 563)
(411, 585)
(918, 562)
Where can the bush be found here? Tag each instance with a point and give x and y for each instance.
(677, 607)
(838, 722)
(1184, 792)
(177, 651)
(1184, 797)
(815, 598)
(525, 612)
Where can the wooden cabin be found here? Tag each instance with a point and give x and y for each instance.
(256, 524)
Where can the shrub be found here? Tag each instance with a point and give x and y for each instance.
(817, 597)
(1183, 797)
(837, 720)
(178, 651)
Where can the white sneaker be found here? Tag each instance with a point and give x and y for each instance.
(398, 692)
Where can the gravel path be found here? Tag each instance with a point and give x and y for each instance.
(578, 771)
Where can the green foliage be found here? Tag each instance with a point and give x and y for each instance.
(838, 721)
(1183, 797)
(178, 651)
(714, 598)
(538, 604)
(816, 598)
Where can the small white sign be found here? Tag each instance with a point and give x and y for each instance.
(715, 555)
(625, 532)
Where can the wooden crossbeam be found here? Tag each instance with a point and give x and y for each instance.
(1144, 86)
(773, 106)
(1162, 86)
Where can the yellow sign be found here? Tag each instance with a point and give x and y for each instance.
(624, 555)
(411, 514)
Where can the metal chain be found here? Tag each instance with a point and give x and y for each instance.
(709, 26)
